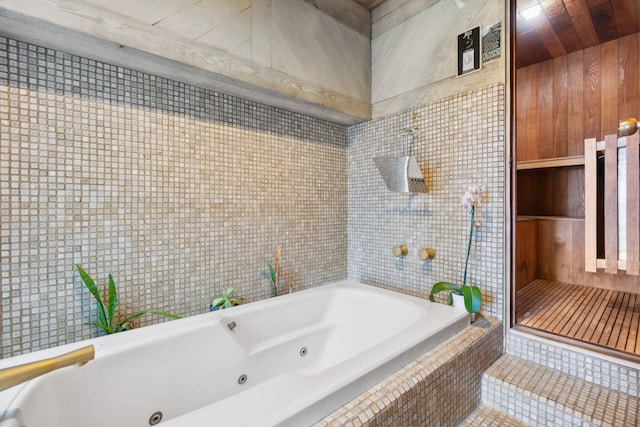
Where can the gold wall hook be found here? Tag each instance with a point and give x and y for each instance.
(426, 254)
(401, 250)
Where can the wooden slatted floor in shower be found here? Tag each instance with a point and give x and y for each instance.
(602, 317)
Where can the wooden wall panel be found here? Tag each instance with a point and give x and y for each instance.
(555, 250)
(551, 192)
(628, 77)
(591, 94)
(560, 106)
(609, 87)
(560, 256)
(532, 123)
(527, 252)
(582, 95)
(545, 109)
(575, 101)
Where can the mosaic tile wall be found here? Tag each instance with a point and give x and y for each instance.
(440, 388)
(461, 143)
(618, 377)
(177, 191)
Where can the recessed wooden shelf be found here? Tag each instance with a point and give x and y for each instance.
(549, 217)
(556, 162)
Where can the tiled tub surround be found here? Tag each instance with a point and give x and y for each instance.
(461, 143)
(440, 388)
(177, 191)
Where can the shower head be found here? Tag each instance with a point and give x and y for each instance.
(401, 174)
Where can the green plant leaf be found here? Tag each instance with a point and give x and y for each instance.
(472, 298)
(227, 293)
(93, 290)
(165, 314)
(272, 272)
(128, 319)
(121, 324)
(227, 304)
(443, 286)
(112, 300)
(274, 279)
(217, 301)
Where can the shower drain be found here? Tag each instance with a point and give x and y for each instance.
(155, 418)
(242, 379)
(303, 351)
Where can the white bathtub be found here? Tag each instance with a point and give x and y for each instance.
(304, 355)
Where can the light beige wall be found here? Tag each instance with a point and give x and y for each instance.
(414, 51)
(300, 55)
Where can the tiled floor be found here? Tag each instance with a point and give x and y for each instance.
(606, 318)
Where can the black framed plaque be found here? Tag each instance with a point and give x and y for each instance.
(469, 50)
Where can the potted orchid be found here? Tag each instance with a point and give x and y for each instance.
(471, 294)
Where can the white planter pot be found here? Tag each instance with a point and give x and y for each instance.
(458, 301)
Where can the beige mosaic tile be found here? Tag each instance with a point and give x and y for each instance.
(177, 191)
(461, 142)
(440, 388)
(544, 396)
(486, 416)
(599, 371)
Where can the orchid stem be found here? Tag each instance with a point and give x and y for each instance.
(466, 264)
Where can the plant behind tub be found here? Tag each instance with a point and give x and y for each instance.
(107, 307)
(225, 301)
(274, 275)
(472, 296)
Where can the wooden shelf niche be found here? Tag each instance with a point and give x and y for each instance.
(551, 187)
(550, 226)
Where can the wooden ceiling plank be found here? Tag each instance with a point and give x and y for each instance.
(522, 24)
(624, 15)
(536, 47)
(578, 11)
(603, 21)
(562, 25)
(526, 4)
(548, 35)
(524, 56)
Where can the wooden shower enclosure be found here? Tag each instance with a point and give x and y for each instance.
(569, 280)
